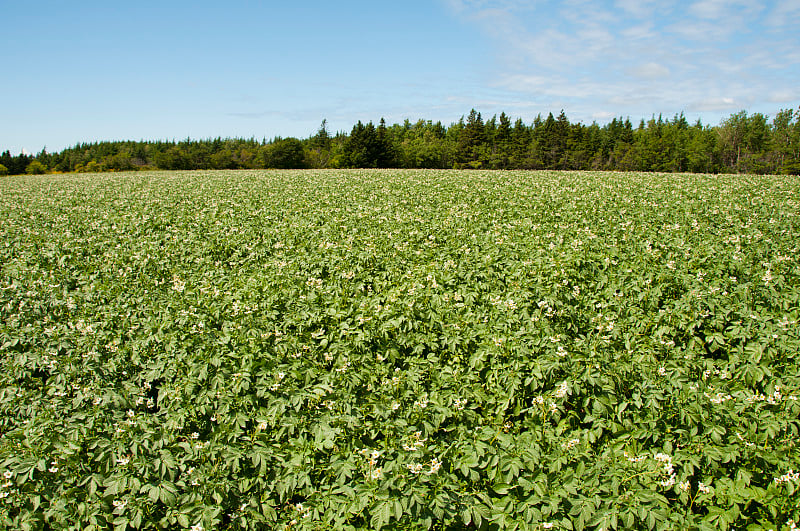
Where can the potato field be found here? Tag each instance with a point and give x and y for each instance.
(399, 349)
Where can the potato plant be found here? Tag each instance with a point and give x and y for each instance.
(399, 350)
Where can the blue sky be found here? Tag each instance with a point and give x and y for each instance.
(87, 70)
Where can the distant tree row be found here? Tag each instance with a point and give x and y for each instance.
(742, 143)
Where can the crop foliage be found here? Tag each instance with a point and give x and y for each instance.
(399, 350)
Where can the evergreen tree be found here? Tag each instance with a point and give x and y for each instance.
(471, 141)
(502, 143)
(740, 143)
(386, 155)
(322, 140)
(7, 161)
(701, 150)
(550, 142)
(521, 146)
(362, 149)
(785, 142)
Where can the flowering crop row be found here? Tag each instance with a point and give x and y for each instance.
(399, 349)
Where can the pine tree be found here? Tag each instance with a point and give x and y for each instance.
(471, 141)
(385, 153)
(502, 157)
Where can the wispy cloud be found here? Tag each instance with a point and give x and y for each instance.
(713, 104)
(785, 14)
(642, 55)
(723, 9)
(603, 115)
(650, 70)
(784, 96)
(637, 8)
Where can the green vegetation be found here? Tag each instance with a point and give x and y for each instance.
(743, 143)
(35, 168)
(399, 350)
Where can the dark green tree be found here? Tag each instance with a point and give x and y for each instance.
(173, 158)
(521, 152)
(286, 154)
(551, 138)
(502, 153)
(386, 154)
(701, 149)
(470, 150)
(7, 161)
(362, 149)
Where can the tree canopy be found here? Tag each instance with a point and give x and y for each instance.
(741, 143)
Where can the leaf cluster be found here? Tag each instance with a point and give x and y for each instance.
(399, 350)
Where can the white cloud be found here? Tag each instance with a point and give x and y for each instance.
(723, 9)
(709, 9)
(603, 115)
(642, 56)
(527, 83)
(715, 104)
(785, 96)
(601, 38)
(719, 20)
(637, 8)
(639, 32)
(705, 30)
(557, 88)
(650, 70)
(498, 22)
(469, 7)
(786, 13)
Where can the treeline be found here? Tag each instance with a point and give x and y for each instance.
(742, 143)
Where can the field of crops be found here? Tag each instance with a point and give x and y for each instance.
(399, 349)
